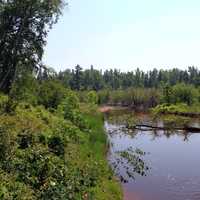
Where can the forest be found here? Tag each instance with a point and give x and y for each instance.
(137, 89)
(92, 79)
(52, 141)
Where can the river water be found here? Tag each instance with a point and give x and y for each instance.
(171, 162)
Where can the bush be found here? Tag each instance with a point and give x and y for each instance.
(3, 103)
(51, 94)
(180, 93)
(183, 93)
(25, 87)
(92, 97)
(44, 156)
(135, 97)
(56, 145)
(103, 96)
(69, 108)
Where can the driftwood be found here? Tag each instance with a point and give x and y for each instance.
(145, 127)
(185, 114)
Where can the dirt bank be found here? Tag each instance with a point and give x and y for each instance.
(105, 109)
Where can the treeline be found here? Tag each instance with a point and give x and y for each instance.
(160, 86)
(93, 79)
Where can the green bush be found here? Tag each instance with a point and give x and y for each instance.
(180, 93)
(103, 96)
(70, 110)
(51, 93)
(25, 89)
(92, 97)
(3, 103)
(183, 93)
(54, 155)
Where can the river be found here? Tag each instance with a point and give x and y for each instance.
(169, 161)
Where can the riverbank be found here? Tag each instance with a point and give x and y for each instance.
(161, 109)
(109, 186)
(105, 109)
(184, 110)
(54, 155)
(108, 108)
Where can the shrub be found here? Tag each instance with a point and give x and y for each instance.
(56, 145)
(51, 94)
(69, 108)
(180, 93)
(3, 103)
(183, 93)
(92, 97)
(103, 96)
(25, 89)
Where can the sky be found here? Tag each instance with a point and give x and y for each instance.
(126, 34)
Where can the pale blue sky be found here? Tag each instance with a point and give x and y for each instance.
(126, 34)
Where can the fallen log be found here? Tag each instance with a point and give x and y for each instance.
(145, 127)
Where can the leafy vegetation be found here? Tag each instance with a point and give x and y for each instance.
(23, 28)
(179, 99)
(52, 142)
(139, 90)
(50, 147)
(59, 155)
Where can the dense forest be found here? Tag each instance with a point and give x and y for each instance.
(92, 79)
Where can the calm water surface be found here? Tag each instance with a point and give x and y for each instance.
(173, 161)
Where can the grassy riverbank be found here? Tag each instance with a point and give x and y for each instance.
(177, 109)
(108, 187)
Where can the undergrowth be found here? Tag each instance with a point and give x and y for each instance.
(54, 155)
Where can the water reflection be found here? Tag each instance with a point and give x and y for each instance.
(126, 162)
(129, 162)
(168, 167)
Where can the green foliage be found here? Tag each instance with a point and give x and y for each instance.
(103, 96)
(51, 93)
(92, 79)
(138, 98)
(5, 144)
(92, 97)
(166, 108)
(69, 108)
(3, 103)
(44, 156)
(179, 108)
(167, 94)
(175, 121)
(56, 145)
(184, 94)
(11, 188)
(76, 80)
(180, 93)
(24, 26)
(25, 87)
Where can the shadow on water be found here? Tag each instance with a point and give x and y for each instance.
(154, 164)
